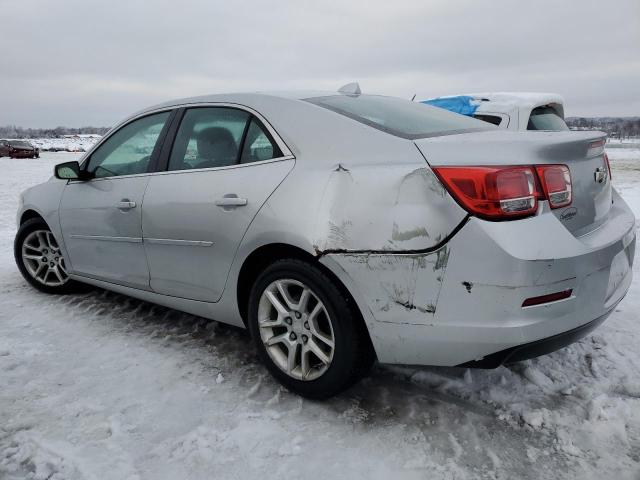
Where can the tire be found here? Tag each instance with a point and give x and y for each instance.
(31, 233)
(352, 354)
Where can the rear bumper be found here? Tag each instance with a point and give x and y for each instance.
(537, 347)
(463, 302)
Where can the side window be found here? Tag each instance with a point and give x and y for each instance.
(208, 137)
(258, 145)
(129, 150)
(495, 120)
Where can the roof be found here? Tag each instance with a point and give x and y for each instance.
(240, 97)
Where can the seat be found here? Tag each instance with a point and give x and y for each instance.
(216, 148)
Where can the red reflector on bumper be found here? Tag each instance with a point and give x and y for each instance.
(552, 297)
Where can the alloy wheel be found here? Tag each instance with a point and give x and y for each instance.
(43, 259)
(296, 329)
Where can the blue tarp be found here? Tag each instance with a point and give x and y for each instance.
(460, 104)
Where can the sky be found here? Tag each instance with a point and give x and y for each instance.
(83, 62)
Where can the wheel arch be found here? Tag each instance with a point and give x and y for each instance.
(262, 256)
(257, 261)
(29, 214)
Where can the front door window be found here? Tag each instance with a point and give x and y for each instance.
(129, 150)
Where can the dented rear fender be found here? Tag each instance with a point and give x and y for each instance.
(361, 204)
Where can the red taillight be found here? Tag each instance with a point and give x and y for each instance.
(493, 193)
(502, 193)
(606, 160)
(552, 297)
(556, 184)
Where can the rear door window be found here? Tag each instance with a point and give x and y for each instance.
(209, 137)
(546, 118)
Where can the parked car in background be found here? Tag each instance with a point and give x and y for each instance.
(339, 228)
(18, 149)
(509, 110)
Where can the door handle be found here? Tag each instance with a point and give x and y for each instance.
(231, 200)
(126, 205)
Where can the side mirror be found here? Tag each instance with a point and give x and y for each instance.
(68, 171)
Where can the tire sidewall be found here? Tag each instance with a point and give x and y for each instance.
(340, 316)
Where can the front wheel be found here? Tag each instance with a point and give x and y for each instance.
(40, 260)
(306, 330)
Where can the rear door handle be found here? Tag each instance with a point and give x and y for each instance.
(231, 200)
(126, 205)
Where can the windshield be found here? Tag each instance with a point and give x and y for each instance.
(398, 117)
(20, 144)
(546, 118)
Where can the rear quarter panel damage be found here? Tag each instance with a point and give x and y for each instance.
(378, 219)
(392, 208)
(402, 288)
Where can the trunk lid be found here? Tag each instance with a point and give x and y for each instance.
(582, 152)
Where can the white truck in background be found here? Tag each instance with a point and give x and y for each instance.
(508, 110)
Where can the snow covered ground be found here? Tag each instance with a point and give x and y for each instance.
(101, 386)
(68, 143)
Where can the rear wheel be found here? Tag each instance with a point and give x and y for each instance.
(306, 330)
(40, 260)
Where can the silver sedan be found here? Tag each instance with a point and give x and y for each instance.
(341, 228)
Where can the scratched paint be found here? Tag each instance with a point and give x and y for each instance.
(398, 288)
(405, 235)
(391, 208)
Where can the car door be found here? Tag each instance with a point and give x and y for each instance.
(101, 218)
(223, 166)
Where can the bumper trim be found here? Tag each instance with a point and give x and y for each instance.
(537, 347)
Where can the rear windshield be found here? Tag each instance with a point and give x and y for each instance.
(546, 118)
(398, 117)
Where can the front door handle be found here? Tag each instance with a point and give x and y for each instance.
(126, 205)
(231, 200)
